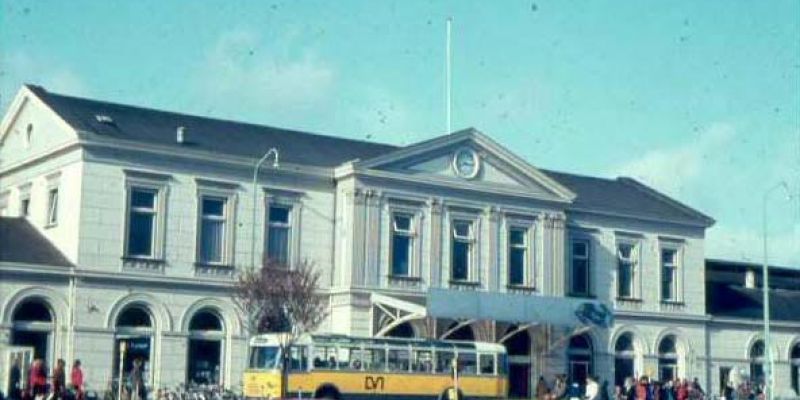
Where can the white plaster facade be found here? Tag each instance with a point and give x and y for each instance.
(341, 221)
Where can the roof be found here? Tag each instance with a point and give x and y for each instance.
(202, 133)
(20, 242)
(738, 302)
(728, 296)
(622, 196)
(628, 197)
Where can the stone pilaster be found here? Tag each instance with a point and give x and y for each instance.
(434, 261)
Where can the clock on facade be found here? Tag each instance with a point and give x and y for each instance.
(466, 163)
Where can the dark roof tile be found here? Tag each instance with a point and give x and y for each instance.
(20, 242)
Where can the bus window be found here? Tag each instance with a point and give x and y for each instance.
(423, 361)
(375, 359)
(324, 357)
(444, 361)
(502, 364)
(298, 360)
(487, 364)
(467, 363)
(264, 357)
(398, 360)
(351, 358)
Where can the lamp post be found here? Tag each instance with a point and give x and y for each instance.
(768, 380)
(271, 151)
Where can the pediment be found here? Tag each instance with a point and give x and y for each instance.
(437, 160)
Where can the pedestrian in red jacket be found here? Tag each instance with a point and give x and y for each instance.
(76, 378)
(682, 391)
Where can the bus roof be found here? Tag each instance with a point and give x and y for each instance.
(274, 339)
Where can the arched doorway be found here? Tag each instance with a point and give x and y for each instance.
(518, 345)
(756, 356)
(456, 332)
(667, 359)
(32, 326)
(624, 356)
(580, 358)
(794, 364)
(206, 341)
(404, 330)
(134, 332)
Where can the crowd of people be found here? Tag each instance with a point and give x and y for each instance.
(37, 386)
(641, 388)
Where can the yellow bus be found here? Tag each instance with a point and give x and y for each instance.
(341, 367)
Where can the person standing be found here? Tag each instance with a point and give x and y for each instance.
(541, 389)
(682, 390)
(76, 379)
(15, 379)
(559, 388)
(592, 389)
(37, 381)
(138, 391)
(58, 381)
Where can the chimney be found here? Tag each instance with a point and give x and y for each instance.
(180, 134)
(750, 278)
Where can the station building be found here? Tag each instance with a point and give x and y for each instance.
(127, 224)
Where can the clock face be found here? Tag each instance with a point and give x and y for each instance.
(465, 163)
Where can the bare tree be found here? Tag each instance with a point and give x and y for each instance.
(277, 299)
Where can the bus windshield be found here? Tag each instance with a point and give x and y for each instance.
(264, 357)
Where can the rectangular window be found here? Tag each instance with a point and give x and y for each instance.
(142, 217)
(52, 206)
(517, 255)
(625, 270)
(402, 244)
(25, 206)
(463, 239)
(212, 229)
(279, 234)
(669, 275)
(579, 267)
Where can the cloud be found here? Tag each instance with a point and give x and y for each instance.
(240, 67)
(729, 242)
(20, 67)
(672, 169)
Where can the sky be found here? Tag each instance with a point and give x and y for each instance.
(699, 99)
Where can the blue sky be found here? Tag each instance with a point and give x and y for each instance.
(696, 98)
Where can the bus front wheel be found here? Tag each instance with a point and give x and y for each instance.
(449, 394)
(327, 392)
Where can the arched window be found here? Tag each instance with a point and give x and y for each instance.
(667, 359)
(624, 356)
(756, 356)
(134, 341)
(794, 364)
(580, 358)
(404, 330)
(32, 326)
(463, 333)
(518, 347)
(206, 338)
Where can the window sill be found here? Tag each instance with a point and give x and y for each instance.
(582, 295)
(456, 282)
(675, 303)
(213, 270)
(143, 264)
(520, 288)
(53, 225)
(628, 299)
(405, 278)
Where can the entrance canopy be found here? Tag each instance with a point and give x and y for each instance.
(517, 308)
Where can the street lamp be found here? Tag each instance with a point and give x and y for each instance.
(768, 382)
(272, 151)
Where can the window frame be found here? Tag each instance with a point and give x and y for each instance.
(229, 227)
(528, 226)
(292, 201)
(288, 225)
(677, 272)
(24, 200)
(159, 218)
(412, 233)
(473, 240)
(572, 257)
(634, 260)
(4, 197)
(52, 207)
